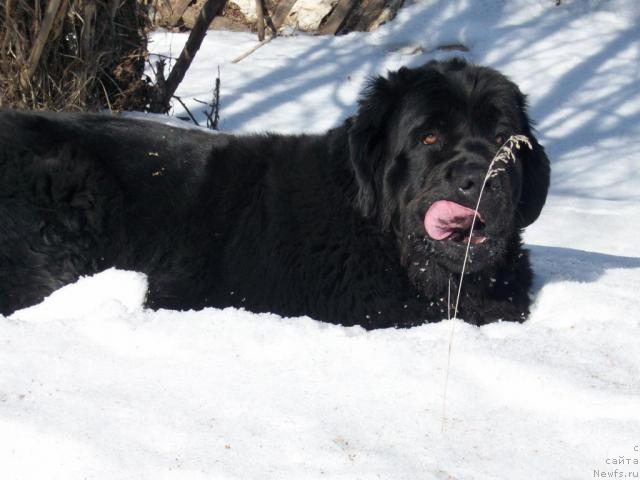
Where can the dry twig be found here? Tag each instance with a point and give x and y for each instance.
(163, 93)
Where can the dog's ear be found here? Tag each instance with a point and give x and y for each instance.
(535, 183)
(367, 142)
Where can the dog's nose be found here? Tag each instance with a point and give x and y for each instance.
(465, 175)
(467, 184)
(469, 181)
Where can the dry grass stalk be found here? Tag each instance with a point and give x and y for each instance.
(503, 157)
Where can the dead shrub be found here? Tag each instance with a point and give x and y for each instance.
(73, 54)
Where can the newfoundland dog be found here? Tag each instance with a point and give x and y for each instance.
(366, 224)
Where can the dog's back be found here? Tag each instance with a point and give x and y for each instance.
(80, 193)
(199, 213)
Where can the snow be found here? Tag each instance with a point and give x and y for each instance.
(94, 386)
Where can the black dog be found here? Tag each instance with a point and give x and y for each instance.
(365, 224)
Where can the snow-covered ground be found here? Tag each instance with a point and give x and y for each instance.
(94, 386)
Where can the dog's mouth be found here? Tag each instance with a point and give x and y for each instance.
(449, 221)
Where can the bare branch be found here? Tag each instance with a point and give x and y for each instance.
(260, 15)
(161, 102)
(186, 109)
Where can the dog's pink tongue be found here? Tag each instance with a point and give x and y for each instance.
(444, 218)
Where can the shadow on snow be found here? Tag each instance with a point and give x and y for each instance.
(558, 264)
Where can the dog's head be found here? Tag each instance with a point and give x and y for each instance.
(421, 145)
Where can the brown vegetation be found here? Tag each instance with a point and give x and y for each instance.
(72, 54)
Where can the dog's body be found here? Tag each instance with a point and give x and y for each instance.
(325, 226)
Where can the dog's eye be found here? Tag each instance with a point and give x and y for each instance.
(430, 138)
(500, 138)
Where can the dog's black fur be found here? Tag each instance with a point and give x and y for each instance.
(329, 226)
